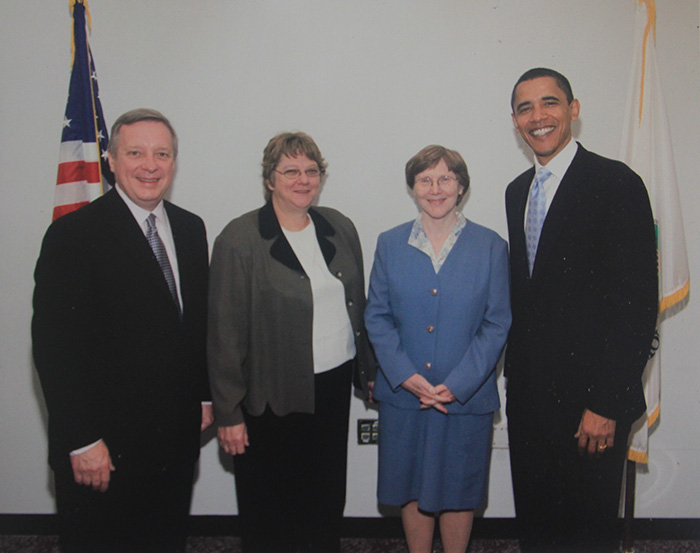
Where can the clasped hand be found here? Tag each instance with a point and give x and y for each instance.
(429, 396)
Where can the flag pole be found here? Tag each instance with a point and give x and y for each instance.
(630, 493)
(92, 82)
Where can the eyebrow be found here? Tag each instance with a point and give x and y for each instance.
(543, 99)
(313, 165)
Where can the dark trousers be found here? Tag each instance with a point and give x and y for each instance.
(290, 482)
(564, 502)
(144, 510)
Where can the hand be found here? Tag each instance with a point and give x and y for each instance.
(595, 434)
(425, 392)
(93, 467)
(370, 391)
(445, 396)
(207, 416)
(444, 392)
(233, 439)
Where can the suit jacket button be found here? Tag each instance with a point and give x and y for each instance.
(430, 328)
(350, 303)
(434, 292)
(339, 274)
(428, 365)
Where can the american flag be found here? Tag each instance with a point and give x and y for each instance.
(83, 170)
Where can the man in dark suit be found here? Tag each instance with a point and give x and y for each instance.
(584, 301)
(119, 339)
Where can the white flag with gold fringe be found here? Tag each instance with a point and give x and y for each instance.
(646, 148)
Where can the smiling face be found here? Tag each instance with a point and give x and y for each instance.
(543, 116)
(437, 201)
(294, 194)
(144, 163)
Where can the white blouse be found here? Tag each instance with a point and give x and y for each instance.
(333, 340)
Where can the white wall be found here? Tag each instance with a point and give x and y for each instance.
(372, 82)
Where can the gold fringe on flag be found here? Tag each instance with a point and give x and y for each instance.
(651, 26)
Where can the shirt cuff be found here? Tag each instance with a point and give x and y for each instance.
(84, 449)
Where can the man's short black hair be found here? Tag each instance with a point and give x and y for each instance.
(536, 73)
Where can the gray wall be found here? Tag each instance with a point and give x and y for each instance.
(372, 82)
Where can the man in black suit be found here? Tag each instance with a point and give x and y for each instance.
(119, 339)
(584, 301)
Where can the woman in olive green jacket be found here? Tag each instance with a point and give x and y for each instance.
(286, 332)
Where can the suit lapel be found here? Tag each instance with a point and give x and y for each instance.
(324, 231)
(270, 229)
(182, 243)
(123, 232)
(519, 201)
(559, 214)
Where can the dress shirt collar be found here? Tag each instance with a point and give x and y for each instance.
(559, 164)
(419, 240)
(141, 214)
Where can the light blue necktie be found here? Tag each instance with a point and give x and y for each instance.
(536, 212)
(162, 256)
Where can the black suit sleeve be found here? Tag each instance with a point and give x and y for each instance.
(628, 257)
(61, 328)
(198, 257)
(190, 237)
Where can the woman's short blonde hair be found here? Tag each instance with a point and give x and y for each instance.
(290, 144)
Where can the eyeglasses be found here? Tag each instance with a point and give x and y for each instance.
(292, 174)
(444, 182)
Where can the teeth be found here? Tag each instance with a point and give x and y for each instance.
(542, 132)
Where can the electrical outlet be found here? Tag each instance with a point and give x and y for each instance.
(500, 436)
(367, 431)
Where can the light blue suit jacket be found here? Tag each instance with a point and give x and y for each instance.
(449, 327)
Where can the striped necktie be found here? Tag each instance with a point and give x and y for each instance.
(162, 256)
(536, 212)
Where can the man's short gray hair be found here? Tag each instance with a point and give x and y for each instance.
(136, 116)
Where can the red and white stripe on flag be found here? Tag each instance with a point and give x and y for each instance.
(79, 180)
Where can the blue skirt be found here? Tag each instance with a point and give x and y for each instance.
(441, 461)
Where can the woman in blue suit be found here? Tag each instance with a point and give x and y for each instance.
(438, 316)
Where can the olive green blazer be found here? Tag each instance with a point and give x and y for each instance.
(260, 313)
